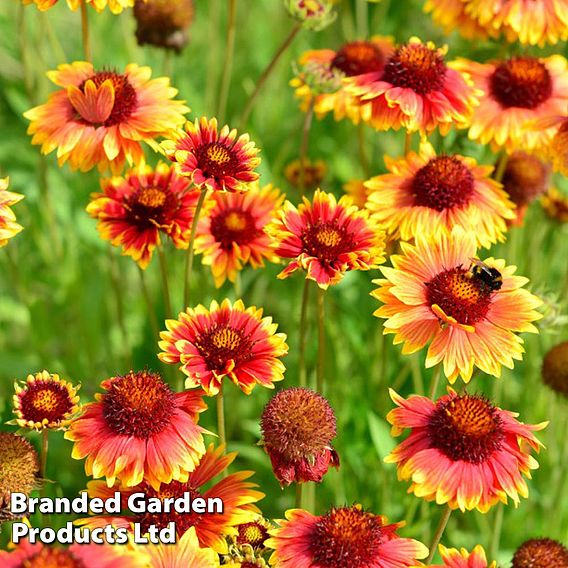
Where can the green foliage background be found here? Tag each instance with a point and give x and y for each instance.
(59, 307)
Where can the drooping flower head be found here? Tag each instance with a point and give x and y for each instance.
(8, 226)
(314, 173)
(327, 238)
(226, 340)
(213, 160)
(424, 193)
(45, 401)
(517, 92)
(133, 211)
(416, 90)
(139, 430)
(231, 233)
(555, 368)
(237, 494)
(345, 537)
(461, 558)
(540, 553)
(100, 118)
(19, 471)
(115, 6)
(298, 426)
(462, 450)
(555, 205)
(438, 293)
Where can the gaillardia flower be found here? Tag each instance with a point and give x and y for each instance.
(132, 211)
(424, 193)
(314, 173)
(100, 118)
(540, 553)
(8, 226)
(556, 151)
(357, 191)
(235, 491)
(462, 450)
(312, 14)
(45, 401)
(298, 426)
(555, 205)
(461, 558)
(326, 238)
(226, 340)
(555, 368)
(231, 233)
(19, 471)
(115, 6)
(254, 533)
(516, 92)
(438, 292)
(451, 15)
(139, 430)
(415, 90)
(211, 159)
(345, 537)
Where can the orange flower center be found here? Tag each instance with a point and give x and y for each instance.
(443, 183)
(223, 344)
(325, 241)
(44, 400)
(417, 67)
(541, 553)
(358, 57)
(49, 557)
(522, 82)
(138, 404)
(151, 206)
(151, 197)
(460, 295)
(125, 97)
(525, 178)
(466, 428)
(253, 534)
(232, 226)
(347, 537)
(216, 160)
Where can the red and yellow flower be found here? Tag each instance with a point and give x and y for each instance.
(462, 450)
(235, 491)
(461, 558)
(430, 295)
(212, 159)
(556, 151)
(134, 210)
(115, 6)
(304, 540)
(327, 238)
(555, 205)
(357, 191)
(100, 118)
(226, 340)
(416, 90)
(516, 92)
(424, 193)
(314, 173)
(231, 233)
(8, 226)
(139, 430)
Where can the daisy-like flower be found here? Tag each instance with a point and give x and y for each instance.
(461, 558)
(345, 537)
(326, 238)
(100, 118)
(435, 293)
(45, 401)
(235, 491)
(462, 450)
(416, 90)
(424, 193)
(134, 210)
(320, 80)
(314, 173)
(357, 191)
(555, 368)
(226, 340)
(298, 426)
(211, 159)
(556, 151)
(555, 205)
(139, 429)
(254, 533)
(231, 233)
(115, 6)
(8, 226)
(516, 93)
(19, 471)
(540, 553)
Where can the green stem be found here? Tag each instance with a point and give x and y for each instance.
(303, 333)
(44, 449)
(304, 146)
(501, 166)
(190, 249)
(221, 419)
(321, 340)
(496, 535)
(407, 143)
(438, 534)
(55, 44)
(361, 17)
(228, 63)
(299, 492)
(85, 32)
(165, 281)
(118, 290)
(362, 149)
(266, 73)
(149, 306)
(435, 380)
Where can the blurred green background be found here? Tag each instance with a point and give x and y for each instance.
(59, 309)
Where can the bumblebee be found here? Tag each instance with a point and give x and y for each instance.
(488, 276)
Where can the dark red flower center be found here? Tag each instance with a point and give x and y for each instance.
(326, 241)
(541, 553)
(417, 67)
(466, 428)
(152, 206)
(216, 160)
(41, 400)
(525, 178)
(459, 295)
(443, 183)
(555, 368)
(522, 82)
(358, 57)
(221, 344)
(253, 534)
(234, 226)
(138, 404)
(49, 557)
(347, 537)
(125, 97)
